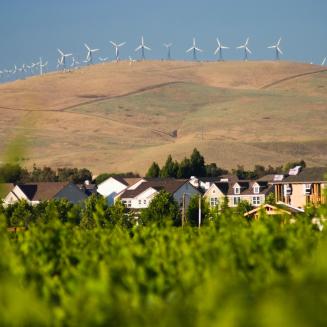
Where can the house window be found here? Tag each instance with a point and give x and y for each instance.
(140, 202)
(213, 202)
(237, 190)
(236, 200)
(307, 189)
(129, 203)
(144, 201)
(256, 189)
(256, 200)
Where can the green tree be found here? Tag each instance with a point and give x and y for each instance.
(11, 173)
(193, 210)
(184, 169)
(170, 168)
(162, 209)
(270, 199)
(154, 171)
(21, 214)
(243, 207)
(197, 164)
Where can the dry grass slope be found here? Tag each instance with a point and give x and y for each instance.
(119, 117)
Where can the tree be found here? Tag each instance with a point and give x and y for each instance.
(154, 171)
(184, 169)
(270, 199)
(21, 214)
(170, 168)
(293, 164)
(197, 164)
(243, 207)
(101, 178)
(212, 170)
(193, 210)
(162, 209)
(11, 173)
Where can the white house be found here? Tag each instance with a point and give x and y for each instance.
(140, 196)
(113, 186)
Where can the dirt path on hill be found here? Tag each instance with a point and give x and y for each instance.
(286, 79)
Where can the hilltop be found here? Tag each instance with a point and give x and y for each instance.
(119, 117)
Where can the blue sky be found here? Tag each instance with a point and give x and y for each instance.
(33, 28)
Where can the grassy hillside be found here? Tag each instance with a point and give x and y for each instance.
(119, 117)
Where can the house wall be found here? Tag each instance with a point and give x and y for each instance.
(110, 188)
(14, 196)
(212, 193)
(141, 201)
(298, 198)
(248, 198)
(188, 190)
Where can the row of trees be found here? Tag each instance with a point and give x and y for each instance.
(193, 166)
(14, 173)
(196, 166)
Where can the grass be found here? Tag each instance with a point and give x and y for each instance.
(96, 117)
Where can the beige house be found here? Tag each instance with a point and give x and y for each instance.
(302, 187)
(255, 192)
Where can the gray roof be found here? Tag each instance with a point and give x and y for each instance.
(307, 175)
(170, 185)
(72, 193)
(246, 187)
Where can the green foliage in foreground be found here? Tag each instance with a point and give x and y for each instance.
(228, 273)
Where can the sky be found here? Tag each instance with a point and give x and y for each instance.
(33, 28)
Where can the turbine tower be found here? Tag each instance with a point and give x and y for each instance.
(194, 49)
(89, 56)
(220, 50)
(142, 47)
(277, 48)
(323, 62)
(41, 65)
(117, 46)
(63, 57)
(168, 46)
(246, 49)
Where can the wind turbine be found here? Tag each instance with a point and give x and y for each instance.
(323, 62)
(220, 50)
(63, 58)
(89, 57)
(75, 63)
(246, 49)
(142, 47)
(117, 46)
(194, 49)
(277, 48)
(41, 66)
(103, 59)
(168, 46)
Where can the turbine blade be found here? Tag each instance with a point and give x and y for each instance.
(138, 48)
(147, 48)
(113, 43)
(121, 44)
(190, 49)
(87, 47)
(248, 50)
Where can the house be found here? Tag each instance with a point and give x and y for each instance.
(139, 197)
(255, 192)
(113, 186)
(302, 186)
(204, 183)
(273, 210)
(35, 193)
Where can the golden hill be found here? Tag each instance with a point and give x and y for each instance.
(119, 117)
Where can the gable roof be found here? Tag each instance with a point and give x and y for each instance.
(41, 191)
(72, 193)
(308, 175)
(246, 187)
(170, 185)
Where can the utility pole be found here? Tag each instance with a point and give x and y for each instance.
(183, 210)
(200, 202)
